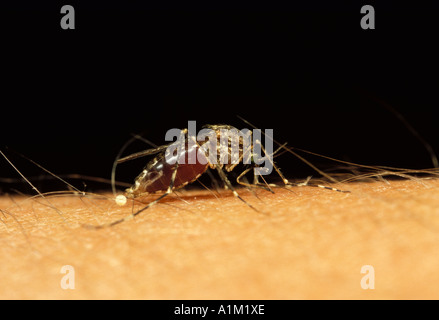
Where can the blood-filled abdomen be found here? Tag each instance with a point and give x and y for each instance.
(158, 173)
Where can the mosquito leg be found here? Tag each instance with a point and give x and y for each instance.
(230, 186)
(329, 188)
(245, 154)
(285, 180)
(168, 191)
(257, 184)
(255, 178)
(213, 179)
(306, 183)
(209, 173)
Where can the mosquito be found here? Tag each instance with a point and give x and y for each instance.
(161, 176)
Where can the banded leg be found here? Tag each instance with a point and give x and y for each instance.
(256, 182)
(306, 184)
(230, 186)
(168, 191)
(286, 182)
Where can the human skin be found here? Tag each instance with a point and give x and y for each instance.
(305, 243)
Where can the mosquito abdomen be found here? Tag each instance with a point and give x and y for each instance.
(158, 173)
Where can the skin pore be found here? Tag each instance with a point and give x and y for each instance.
(306, 243)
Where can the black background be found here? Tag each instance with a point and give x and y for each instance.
(71, 98)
